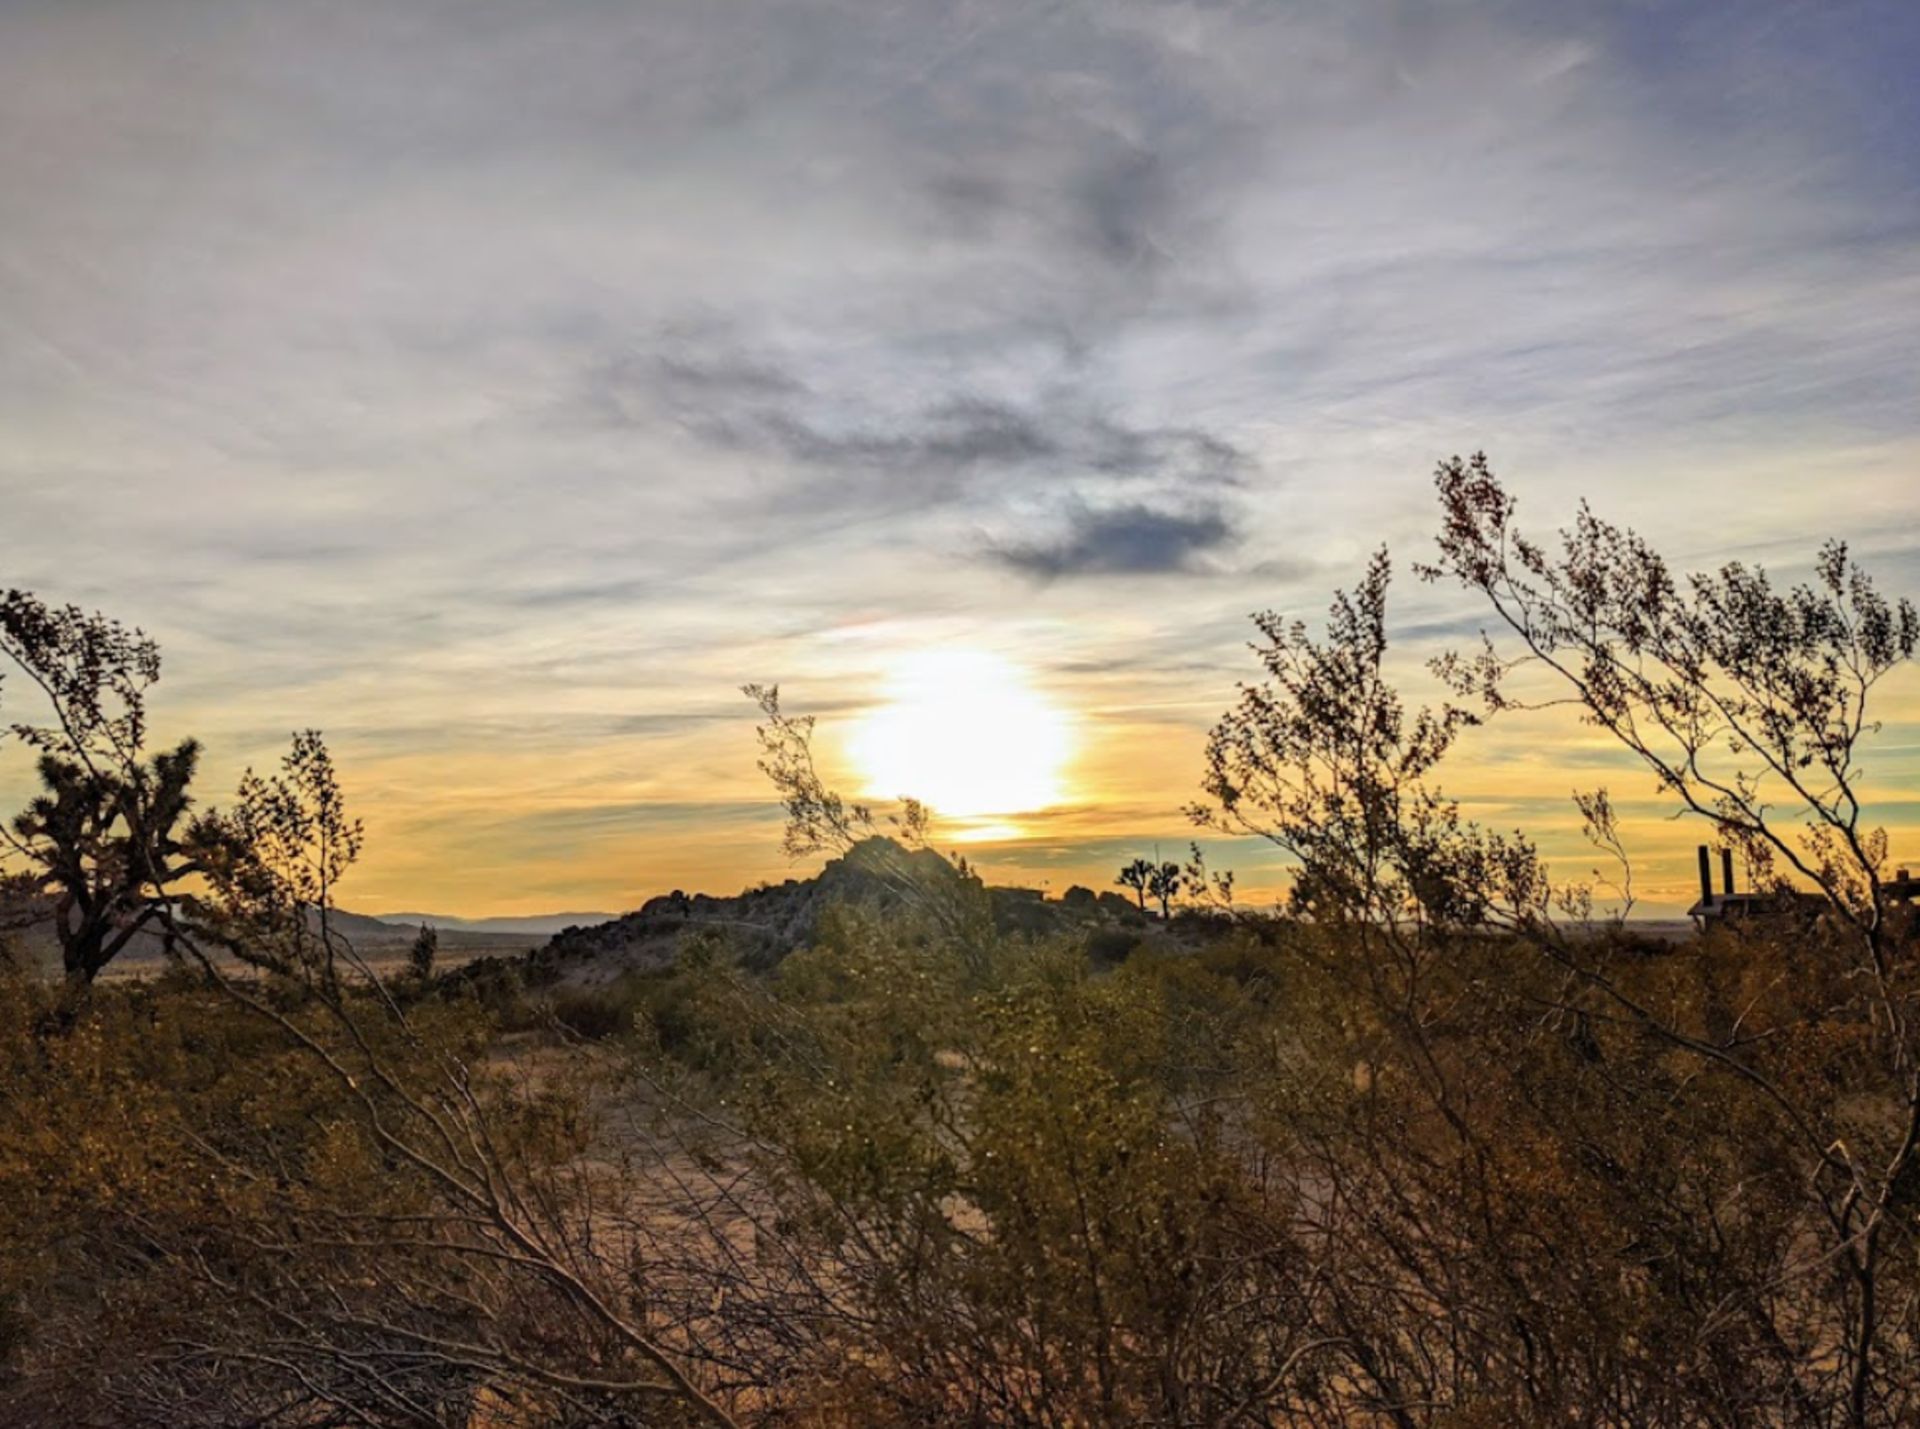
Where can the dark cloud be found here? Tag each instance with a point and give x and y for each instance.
(1179, 451)
(756, 405)
(1111, 202)
(1123, 201)
(1123, 540)
(959, 433)
(737, 377)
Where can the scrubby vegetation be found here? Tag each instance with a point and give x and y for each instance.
(1433, 1146)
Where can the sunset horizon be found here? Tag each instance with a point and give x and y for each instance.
(504, 443)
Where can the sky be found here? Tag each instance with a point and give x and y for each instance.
(498, 387)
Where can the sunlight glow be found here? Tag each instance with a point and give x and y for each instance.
(964, 732)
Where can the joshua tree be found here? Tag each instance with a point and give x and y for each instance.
(1165, 882)
(102, 843)
(1138, 876)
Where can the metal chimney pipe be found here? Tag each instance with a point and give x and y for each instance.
(1706, 879)
(1726, 871)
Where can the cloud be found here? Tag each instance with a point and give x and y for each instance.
(1133, 540)
(956, 433)
(927, 450)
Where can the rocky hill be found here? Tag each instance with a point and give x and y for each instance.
(770, 921)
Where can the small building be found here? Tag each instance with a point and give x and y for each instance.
(1901, 888)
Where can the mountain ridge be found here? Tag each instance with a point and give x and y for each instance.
(542, 924)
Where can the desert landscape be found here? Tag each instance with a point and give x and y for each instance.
(1016, 714)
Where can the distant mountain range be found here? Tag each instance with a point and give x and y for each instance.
(29, 928)
(543, 925)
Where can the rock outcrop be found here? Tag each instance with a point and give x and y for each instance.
(769, 922)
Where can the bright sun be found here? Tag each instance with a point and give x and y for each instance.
(963, 732)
